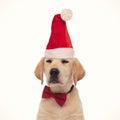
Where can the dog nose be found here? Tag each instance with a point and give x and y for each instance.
(54, 71)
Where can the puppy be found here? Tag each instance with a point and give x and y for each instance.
(60, 76)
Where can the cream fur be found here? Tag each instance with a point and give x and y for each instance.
(69, 72)
(72, 110)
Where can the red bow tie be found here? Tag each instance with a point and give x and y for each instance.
(60, 98)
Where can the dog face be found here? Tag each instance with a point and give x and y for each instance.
(59, 72)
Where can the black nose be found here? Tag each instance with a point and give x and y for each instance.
(54, 71)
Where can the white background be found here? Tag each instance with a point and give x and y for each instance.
(95, 34)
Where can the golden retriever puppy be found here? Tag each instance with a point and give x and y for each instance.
(60, 74)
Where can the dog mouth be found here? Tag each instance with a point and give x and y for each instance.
(54, 80)
(54, 76)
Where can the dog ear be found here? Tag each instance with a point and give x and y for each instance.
(39, 70)
(78, 71)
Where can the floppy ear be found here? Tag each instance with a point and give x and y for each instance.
(78, 71)
(39, 70)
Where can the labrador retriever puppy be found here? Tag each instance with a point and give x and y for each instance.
(60, 74)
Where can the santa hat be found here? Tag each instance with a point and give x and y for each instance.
(59, 45)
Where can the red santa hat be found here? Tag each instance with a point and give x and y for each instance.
(59, 45)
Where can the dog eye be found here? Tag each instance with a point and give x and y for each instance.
(65, 61)
(48, 61)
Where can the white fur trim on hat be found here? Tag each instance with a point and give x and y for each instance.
(60, 53)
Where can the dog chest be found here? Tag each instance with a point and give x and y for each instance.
(71, 110)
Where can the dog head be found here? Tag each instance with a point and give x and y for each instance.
(59, 72)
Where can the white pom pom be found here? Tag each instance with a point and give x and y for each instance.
(66, 14)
